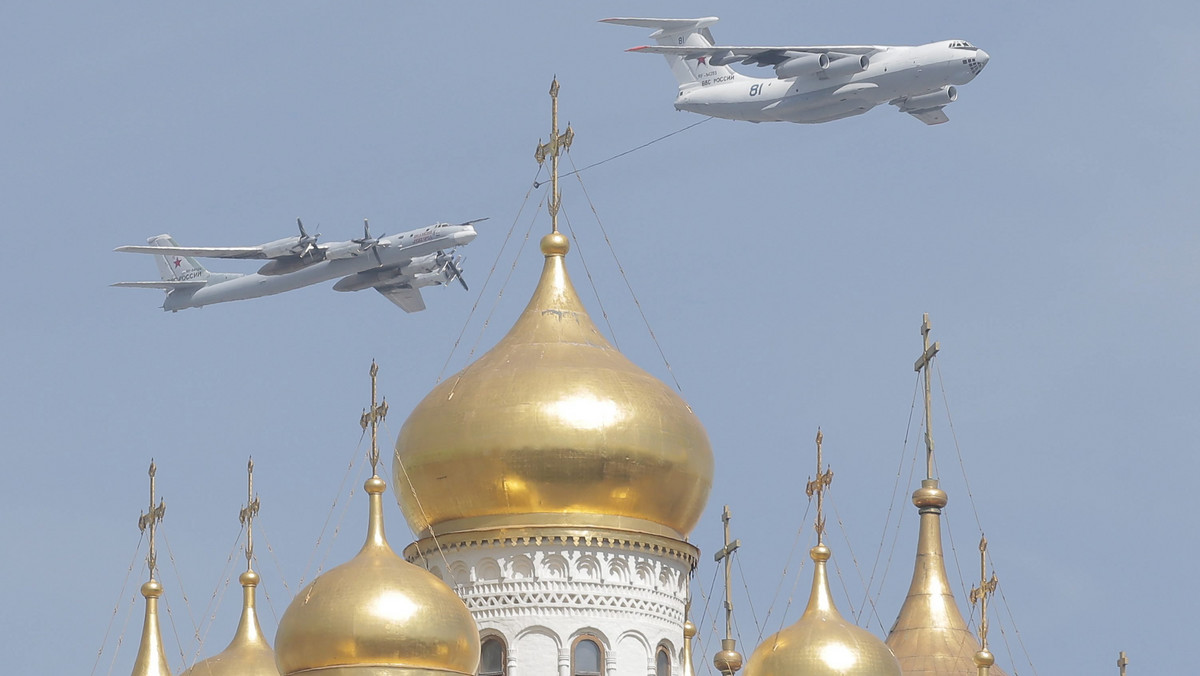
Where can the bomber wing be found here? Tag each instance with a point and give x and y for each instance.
(408, 298)
(249, 252)
(758, 56)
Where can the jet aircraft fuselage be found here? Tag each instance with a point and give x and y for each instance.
(891, 73)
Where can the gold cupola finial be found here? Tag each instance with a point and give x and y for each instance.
(1122, 662)
(729, 660)
(377, 615)
(689, 632)
(151, 659)
(248, 654)
(930, 636)
(552, 149)
(822, 642)
(983, 658)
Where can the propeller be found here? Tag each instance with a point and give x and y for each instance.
(449, 263)
(306, 242)
(367, 242)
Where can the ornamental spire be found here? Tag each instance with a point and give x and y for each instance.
(247, 514)
(150, 520)
(819, 485)
(151, 659)
(552, 149)
(372, 417)
(984, 658)
(922, 364)
(729, 660)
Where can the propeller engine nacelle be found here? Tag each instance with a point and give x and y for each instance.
(798, 66)
(941, 97)
(847, 65)
(339, 250)
(288, 246)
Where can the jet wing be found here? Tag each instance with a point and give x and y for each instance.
(166, 285)
(408, 298)
(758, 56)
(930, 116)
(250, 252)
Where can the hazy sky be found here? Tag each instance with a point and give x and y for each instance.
(1049, 229)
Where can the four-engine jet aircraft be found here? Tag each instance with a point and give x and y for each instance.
(396, 266)
(812, 83)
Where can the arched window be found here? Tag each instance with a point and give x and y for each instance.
(662, 663)
(492, 656)
(587, 657)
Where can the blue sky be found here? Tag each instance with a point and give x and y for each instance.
(1049, 230)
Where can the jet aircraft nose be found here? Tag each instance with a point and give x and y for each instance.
(982, 57)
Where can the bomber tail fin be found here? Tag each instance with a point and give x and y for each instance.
(176, 268)
(681, 32)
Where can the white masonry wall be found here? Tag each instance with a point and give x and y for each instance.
(540, 598)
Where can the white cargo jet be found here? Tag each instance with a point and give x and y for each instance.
(812, 83)
(396, 266)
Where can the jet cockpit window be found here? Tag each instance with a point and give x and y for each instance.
(961, 44)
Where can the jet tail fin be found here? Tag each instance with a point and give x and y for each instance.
(681, 32)
(176, 268)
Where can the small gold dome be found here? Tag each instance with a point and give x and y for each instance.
(377, 615)
(248, 654)
(553, 427)
(822, 642)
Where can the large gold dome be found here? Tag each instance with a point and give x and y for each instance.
(377, 615)
(822, 642)
(553, 427)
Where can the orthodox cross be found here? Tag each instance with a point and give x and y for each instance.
(923, 364)
(1122, 662)
(552, 149)
(818, 486)
(246, 516)
(726, 553)
(373, 416)
(151, 520)
(981, 593)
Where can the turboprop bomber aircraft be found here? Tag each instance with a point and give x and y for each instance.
(397, 266)
(811, 83)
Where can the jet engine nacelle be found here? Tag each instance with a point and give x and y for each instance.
(847, 65)
(343, 250)
(797, 66)
(941, 97)
(723, 59)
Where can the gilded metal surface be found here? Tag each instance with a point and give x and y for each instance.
(930, 635)
(822, 641)
(552, 425)
(377, 615)
(689, 632)
(248, 654)
(151, 659)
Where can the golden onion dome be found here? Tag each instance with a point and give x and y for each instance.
(377, 615)
(151, 659)
(248, 654)
(822, 642)
(553, 427)
(930, 636)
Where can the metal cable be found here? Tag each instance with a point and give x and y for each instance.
(117, 606)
